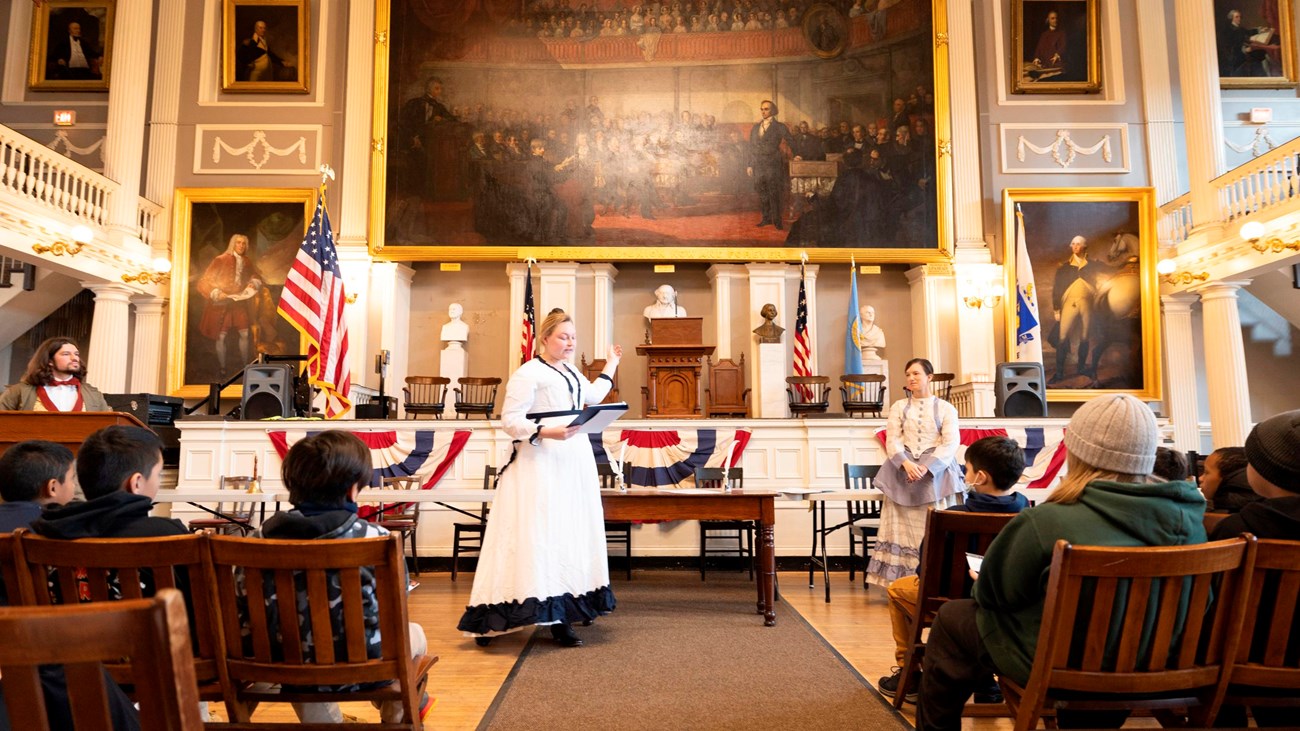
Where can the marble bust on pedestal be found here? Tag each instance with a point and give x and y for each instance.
(867, 334)
(456, 331)
(665, 304)
(769, 331)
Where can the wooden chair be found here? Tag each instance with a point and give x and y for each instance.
(864, 515)
(403, 518)
(153, 636)
(943, 576)
(593, 370)
(1266, 668)
(862, 393)
(739, 532)
(108, 569)
(808, 394)
(268, 645)
(941, 385)
(617, 532)
(1149, 627)
(238, 516)
(14, 588)
(1210, 520)
(476, 396)
(425, 395)
(467, 536)
(726, 394)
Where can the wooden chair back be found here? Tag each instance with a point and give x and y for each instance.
(862, 393)
(593, 370)
(14, 589)
(1268, 657)
(941, 385)
(489, 483)
(400, 513)
(91, 570)
(1148, 627)
(859, 477)
(238, 514)
(808, 394)
(262, 585)
(425, 395)
(1210, 520)
(726, 394)
(716, 478)
(476, 396)
(151, 633)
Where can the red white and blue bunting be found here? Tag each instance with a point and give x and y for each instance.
(1044, 451)
(668, 458)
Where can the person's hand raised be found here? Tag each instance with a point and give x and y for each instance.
(614, 357)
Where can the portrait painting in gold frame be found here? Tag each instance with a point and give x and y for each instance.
(231, 252)
(504, 131)
(1255, 42)
(1093, 256)
(266, 46)
(71, 45)
(1055, 46)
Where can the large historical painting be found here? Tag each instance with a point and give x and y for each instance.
(232, 249)
(704, 129)
(1093, 255)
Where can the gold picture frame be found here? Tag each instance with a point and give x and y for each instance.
(212, 338)
(1066, 33)
(266, 46)
(1255, 50)
(1090, 307)
(56, 62)
(419, 213)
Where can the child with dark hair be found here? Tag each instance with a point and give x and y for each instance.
(1171, 465)
(1224, 483)
(323, 473)
(33, 474)
(993, 466)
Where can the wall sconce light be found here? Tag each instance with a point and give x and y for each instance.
(989, 296)
(81, 236)
(161, 269)
(1253, 231)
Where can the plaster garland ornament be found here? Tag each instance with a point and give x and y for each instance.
(259, 139)
(1257, 143)
(1063, 139)
(61, 139)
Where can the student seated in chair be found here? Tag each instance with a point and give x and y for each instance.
(33, 474)
(323, 474)
(993, 466)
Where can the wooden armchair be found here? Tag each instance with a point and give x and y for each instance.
(941, 385)
(106, 569)
(476, 396)
(1149, 627)
(1266, 668)
(259, 582)
(403, 518)
(467, 536)
(862, 393)
(808, 394)
(234, 517)
(737, 532)
(153, 636)
(616, 531)
(14, 588)
(425, 395)
(726, 394)
(943, 576)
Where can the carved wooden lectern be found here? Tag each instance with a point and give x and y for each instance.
(672, 389)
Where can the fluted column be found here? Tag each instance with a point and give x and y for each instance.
(123, 143)
(968, 211)
(355, 211)
(354, 264)
(814, 334)
(933, 311)
(1157, 100)
(770, 363)
(1180, 375)
(1198, 72)
(721, 277)
(390, 296)
(602, 311)
(169, 59)
(109, 331)
(1225, 363)
(147, 345)
(518, 275)
(557, 287)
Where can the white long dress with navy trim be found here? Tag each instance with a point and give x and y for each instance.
(543, 559)
(925, 431)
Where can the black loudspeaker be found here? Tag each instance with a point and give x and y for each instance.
(268, 392)
(1020, 390)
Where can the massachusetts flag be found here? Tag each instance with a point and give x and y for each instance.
(852, 353)
(530, 320)
(312, 301)
(1029, 330)
(802, 342)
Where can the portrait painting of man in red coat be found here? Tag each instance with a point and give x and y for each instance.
(228, 286)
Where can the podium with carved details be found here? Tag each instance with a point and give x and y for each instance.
(674, 349)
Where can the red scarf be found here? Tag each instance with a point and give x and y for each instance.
(49, 404)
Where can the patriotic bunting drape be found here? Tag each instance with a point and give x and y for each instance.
(1044, 451)
(668, 458)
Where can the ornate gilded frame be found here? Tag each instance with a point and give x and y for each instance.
(237, 18)
(46, 16)
(1283, 51)
(1027, 19)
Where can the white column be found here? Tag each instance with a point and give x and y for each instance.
(147, 345)
(1157, 99)
(109, 332)
(517, 273)
(814, 336)
(557, 287)
(354, 212)
(964, 113)
(354, 263)
(1225, 363)
(1180, 372)
(390, 317)
(123, 143)
(169, 59)
(721, 277)
(771, 364)
(976, 277)
(1198, 72)
(602, 310)
(933, 305)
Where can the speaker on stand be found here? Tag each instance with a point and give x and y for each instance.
(268, 392)
(1020, 390)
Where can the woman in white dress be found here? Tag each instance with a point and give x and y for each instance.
(920, 472)
(543, 559)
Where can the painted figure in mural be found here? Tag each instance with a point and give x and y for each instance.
(229, 284)
(254, 59)
(767, 162)
(1074, 293)
(74, 56)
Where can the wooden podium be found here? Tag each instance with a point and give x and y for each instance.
(69, 429)
(672, 389)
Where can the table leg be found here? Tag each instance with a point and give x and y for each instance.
(767, 579)
(826, 572)
(812, 552)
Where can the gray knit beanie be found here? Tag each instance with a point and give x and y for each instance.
(1273, 449)
(1116, 433)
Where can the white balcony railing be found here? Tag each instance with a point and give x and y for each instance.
(1268, 181)
(1175, 220)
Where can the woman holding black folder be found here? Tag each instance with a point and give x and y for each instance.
(543, 559)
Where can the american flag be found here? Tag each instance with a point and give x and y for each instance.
(312, 301)
(530, 320)
(802, 351)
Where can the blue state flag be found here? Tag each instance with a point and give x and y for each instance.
(1029, 329)
(852, 351)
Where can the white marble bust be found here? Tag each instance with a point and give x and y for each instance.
(867, 335)
(665, 304)
(455, 331)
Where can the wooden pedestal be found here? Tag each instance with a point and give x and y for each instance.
(672, 387)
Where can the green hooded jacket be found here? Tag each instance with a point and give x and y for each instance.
(1012, 586)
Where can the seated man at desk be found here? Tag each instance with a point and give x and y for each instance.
(52, 382)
